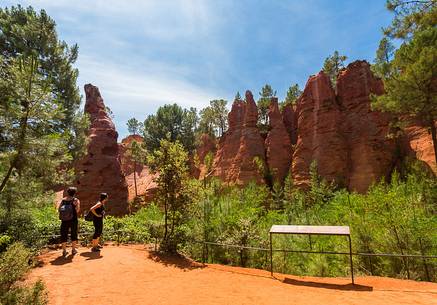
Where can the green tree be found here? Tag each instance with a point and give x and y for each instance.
(173, 123)
(170, 163)
(135, 149)
(410, 77)
(293, 94)
(206, 122)
(237, 96)
(40, 121)
(220, 115)
(214, 118)
(411, 88)
(333, 64)
(137, 153)
(263, 106)
(134, 126)
(384, 55)
(410, 17)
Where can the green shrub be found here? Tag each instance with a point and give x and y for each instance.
(14, 264)
(395, 217)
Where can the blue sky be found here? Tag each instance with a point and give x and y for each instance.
(143, 54)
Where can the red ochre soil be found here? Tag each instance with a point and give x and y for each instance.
(133, 275)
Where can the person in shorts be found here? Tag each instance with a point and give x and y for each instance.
(68, 224)
(98, 211)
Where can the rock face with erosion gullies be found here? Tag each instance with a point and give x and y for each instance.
(319, 138)
(100, 169)
(136, 172)
(229, 143)
(335, 128)
(348, 141)
(371, 151)
(277, 144)
(417, 144)
(289, 117)
(240, 145)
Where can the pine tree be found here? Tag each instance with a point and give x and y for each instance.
(332, 65)
(263, 106)
(410, 77)
(40, 121)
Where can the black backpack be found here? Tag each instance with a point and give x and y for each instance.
(66, 210)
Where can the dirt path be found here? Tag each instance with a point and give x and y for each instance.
(132, 275)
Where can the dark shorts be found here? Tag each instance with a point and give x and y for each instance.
(65, 227)
(98, 226)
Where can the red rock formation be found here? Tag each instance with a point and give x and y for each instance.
(341, 133)
(144, 179)
(289, 117)
(370, 151)
(229, 143)
(207, 145)
(417, 143)
(100, 169)
(244, 168)
(319, 138)
(234, 161)
(277, 144)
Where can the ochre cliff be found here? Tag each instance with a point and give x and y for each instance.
(289, 118)
(351, 145)
(229, 143)
(240, 145)
(371, 150)
(100, 169)
(277, 144)
(349, 142)
(319, 138)
(335, 128)
(417, 144)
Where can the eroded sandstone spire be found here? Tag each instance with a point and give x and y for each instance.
(100, 170)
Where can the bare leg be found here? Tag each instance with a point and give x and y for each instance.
(95, 242)
(64, 249)
(74, 247)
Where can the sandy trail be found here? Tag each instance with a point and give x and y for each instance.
(133, 275)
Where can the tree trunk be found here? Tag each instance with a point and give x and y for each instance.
(6, 178)
(15, 160)
(434, 138)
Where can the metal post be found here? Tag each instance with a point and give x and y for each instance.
(271, 255)
(350, 258)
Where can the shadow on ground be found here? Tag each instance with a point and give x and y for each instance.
(91, 255)
(174, 260)
(351, 287)
(60, 260)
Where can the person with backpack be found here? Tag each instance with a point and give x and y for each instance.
(68, 209)
(98, 211)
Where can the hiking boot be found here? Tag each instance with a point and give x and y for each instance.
(64, 253)
(95, 249)
(73, 252)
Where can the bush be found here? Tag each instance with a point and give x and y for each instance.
(14, 264)
(393, 217)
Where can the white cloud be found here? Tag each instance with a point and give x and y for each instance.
(132, 93)
(122, 46)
